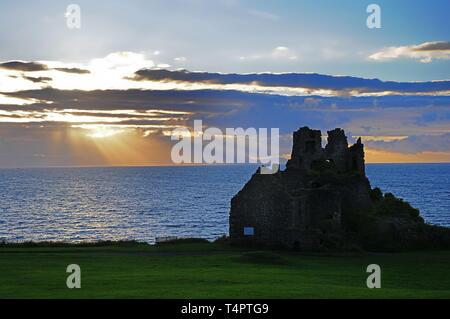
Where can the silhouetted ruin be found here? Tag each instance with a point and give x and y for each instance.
(323, 200)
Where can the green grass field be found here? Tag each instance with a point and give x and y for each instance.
(202, 270)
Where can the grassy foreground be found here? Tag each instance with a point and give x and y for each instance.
(206, 270)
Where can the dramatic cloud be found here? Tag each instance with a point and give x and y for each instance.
(227, 108)
(110, 115)
(312, 83)
(128, 70)
(23, 66)
(109, 72)
(425, 52)
(123, 99)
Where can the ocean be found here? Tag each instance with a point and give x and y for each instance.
(141, 203)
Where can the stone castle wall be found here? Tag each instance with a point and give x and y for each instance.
(302, 206)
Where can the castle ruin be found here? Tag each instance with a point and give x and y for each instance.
(322, 200)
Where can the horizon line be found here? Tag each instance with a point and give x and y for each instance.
(191, 165)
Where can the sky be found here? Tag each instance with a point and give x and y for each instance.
(110, 92)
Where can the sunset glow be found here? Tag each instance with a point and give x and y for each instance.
(81, 98)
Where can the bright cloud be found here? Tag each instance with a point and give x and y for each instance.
(117, 117)
(109, 72)
(129, 70)
(425, 52)
(128, 97)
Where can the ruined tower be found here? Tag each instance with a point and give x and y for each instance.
(306, 149)
(303, 206)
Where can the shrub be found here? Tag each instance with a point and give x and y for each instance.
(392, 206)
(376, 194)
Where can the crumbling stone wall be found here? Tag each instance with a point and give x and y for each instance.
(302, 206)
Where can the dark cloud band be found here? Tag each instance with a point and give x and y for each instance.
(41, 79)
(73, 70)
(36, 66)
(23, 66)
(293, 80)
(433, 46)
